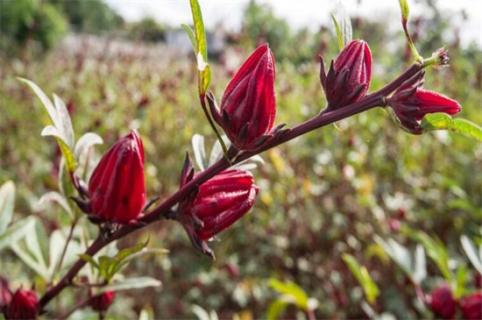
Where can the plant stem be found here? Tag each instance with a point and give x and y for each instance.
(64, 250)
(162, 210)
(202, 99)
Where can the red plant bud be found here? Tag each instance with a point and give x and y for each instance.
(24, 305)
(117, 187)
(248, 106)
(471, 306)
(411, 103)
(102, 301)
(5, 293)
(349, 75)
(442, 302)
(219, 202)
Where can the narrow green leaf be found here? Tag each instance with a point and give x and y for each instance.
(437, 252)
(361, 274)
(132, 283)
(89, 259)
(7, 199)
(191, 35)
(288, 288)
(55, 197)
(275, 309)
(70, 162)
(30, 261)
(339, 34)
(201, 43)
(16, 232)
(405, 9)
(461, 278)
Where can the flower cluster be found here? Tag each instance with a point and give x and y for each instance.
(444, 305)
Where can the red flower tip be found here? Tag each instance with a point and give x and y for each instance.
(411, 103)
(103, 301)
(442, 302)
(349, 75)
(117, 187)
(248, 106)
(5, 293)
(471, 306)
(219, 202)
(23, 305)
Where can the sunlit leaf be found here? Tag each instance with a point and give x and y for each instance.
(275, 309)
(343, 28)
(86, 141)
(289, 289)
(461, 278)
(361, 274)
(7, 199)
(200, 49)
(199, 151)
(442, 121)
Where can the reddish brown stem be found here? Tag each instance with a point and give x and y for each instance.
(164, 209)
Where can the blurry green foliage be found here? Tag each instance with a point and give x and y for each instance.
(25, 21)
(147, 29)
(90, 16)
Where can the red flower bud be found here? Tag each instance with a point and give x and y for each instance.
(24, 305)
(411, 103)
(117, 187)
(248, 107)
(349, 75)
(219, 202)
(5, 293)
(442, 302)
(102, 302)
(471, 306)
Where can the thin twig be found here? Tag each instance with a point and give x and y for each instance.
(58, 268)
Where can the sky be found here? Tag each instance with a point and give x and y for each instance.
(299, 13)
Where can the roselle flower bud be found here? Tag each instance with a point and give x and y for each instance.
(248, 106)
(24, 305)
(5, 293)
(219, 202)
(442, 302)
(411, 103)
(103, 301)
(349, 75)
(117, 187)
(471, 306)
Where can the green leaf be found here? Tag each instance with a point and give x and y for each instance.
(405, 9)
(199, 151)
(343, 28)
(471, 252)
(361, 274)
(30, 261)
(132, 283)
(461, 278)
(292, 291)
(7, 199)
(437, 252)
(190, 34)
(200, 48)
(90, 260)
(275, 309)
(16, 232)
(442, 121)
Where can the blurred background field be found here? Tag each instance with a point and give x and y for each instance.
(325, 194)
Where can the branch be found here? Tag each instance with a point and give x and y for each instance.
(164, 209)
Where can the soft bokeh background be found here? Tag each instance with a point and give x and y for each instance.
(127, 64)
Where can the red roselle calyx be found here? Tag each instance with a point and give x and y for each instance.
(349, 75)
(5, 293)
(471, 306)
(442, 302)
(248, 106)
(23, 305)
(411, 103)
(217, 204)
(117, 187)
(103, 301)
